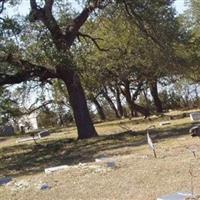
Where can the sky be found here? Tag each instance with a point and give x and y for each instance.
(180, 6)
(25, 7)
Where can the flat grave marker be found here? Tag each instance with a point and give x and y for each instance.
(176, 196)
(165, 123)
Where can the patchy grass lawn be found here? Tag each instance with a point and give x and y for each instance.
(138, 174)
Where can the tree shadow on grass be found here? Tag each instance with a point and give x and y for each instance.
(27, 159)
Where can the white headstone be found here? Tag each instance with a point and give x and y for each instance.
(195, 116)
(165, 123)
(176, 196)
(58, 168)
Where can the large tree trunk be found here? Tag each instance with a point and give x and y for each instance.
(154, 92)
(78, 103)
(110, 102)
(98, 107)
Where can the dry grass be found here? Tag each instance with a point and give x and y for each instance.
(138, 174)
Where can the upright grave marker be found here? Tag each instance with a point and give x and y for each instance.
(195, 116)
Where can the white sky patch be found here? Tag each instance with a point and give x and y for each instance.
(24, 7)
(180, 6)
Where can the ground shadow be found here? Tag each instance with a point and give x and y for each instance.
(28, 159)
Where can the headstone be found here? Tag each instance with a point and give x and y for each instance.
(44, 186)
(109, 162)
(44, 133)
(176, 196)
(58, 168)
(164, 123)
(195, 131)
(195, 116)
(7, 130)
(5, 180)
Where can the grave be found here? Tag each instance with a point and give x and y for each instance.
(195, 131)
(54, 169)
(195, 116)
(108, 162)
(176, 196)
(27, 139)
(165, 123)
(7, 130)
(44, 133)
(5, 180)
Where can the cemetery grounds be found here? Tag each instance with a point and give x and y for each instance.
(134, 173)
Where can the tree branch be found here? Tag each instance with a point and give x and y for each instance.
(139, 22)
(2, 2)
(45, 15)
(73, 29)
(94, 40)
(63, 41)
(28, 71)
(137, 92)
(28, 112)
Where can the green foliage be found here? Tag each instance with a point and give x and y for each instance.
(9, 27)
(8, 107)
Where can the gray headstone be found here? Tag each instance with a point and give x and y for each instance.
(44, 186)
(44, 133)
(5, 180)
(195, 116)
(195, 131)
(7, 130)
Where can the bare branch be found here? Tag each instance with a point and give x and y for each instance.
(28, 112)
(2, 2)
(94, 40)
